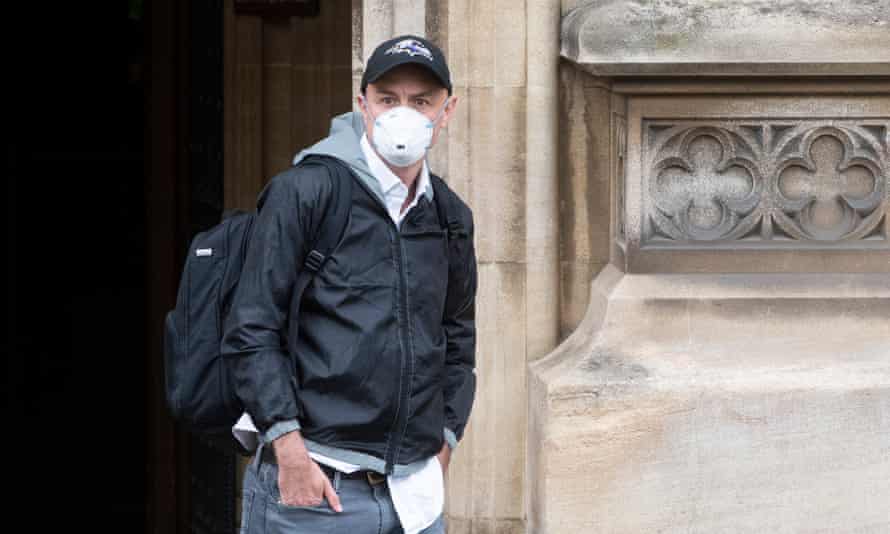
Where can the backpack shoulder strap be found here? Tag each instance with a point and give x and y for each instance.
(335, 217)
(333, 221)
(443, 198)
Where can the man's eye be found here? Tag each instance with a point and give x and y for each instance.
(388, 100)
(421, 102)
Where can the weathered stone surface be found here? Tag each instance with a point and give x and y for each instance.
(485, 477)
(747, 37)
(586, 157)
(497, 142)
(717, 403)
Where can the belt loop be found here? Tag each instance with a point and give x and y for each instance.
(259, 457)
(374, 478)
(336, 480)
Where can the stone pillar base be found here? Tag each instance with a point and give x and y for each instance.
(717, 403)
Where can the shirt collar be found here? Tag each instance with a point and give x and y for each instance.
(387, 178)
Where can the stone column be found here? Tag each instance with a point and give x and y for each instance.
(731, 372)
(485, 162)
(500, 155)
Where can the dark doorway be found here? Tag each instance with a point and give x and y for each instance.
(116, 162)
(190, 487)
(76, 279)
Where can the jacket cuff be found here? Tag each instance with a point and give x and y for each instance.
(450, 438)
(279, 429)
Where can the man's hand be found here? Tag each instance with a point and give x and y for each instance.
(301, 482)
(444, 457)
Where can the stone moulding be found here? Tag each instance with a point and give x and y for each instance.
(741, 37)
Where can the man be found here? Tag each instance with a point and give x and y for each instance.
(357, 435)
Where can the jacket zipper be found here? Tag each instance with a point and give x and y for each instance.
(400, 421)
(406, 371)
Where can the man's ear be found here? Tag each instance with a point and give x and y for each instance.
(449, 110)
(362, 101)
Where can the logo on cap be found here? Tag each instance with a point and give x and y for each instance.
(412, 48)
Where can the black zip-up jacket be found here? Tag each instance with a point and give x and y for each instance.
(385, 353)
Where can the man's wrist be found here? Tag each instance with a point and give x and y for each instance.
(290, 450)
(279, 429)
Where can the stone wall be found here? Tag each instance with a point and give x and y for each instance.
(682, 244)
(730, 372)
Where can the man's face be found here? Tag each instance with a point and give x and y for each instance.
(406, 85)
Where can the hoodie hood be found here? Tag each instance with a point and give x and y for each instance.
(343, 143)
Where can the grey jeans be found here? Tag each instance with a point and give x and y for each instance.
(367, 508)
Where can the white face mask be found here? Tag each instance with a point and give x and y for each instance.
(402, 135)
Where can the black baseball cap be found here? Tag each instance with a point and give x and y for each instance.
(402, 50)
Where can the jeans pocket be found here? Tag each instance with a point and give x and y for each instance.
(322, 508)
(269, 481)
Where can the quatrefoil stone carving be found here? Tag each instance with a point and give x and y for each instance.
(705, 186)
(766, 183)
(828, 189)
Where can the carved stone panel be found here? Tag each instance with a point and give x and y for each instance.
(756, 183)
(766, 182)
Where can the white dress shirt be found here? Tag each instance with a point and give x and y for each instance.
(394, 189)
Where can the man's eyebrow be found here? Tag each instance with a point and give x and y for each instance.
(429, 93)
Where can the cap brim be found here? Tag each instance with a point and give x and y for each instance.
(372, 78)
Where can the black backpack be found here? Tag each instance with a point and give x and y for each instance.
(198, 386)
